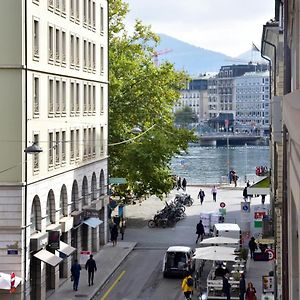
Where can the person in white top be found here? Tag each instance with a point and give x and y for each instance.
(214, 193)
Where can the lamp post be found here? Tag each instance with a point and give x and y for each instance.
(33, 149)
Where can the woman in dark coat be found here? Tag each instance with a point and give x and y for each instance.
(114, 234)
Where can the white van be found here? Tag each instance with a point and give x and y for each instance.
(177, 260)
(228, 230)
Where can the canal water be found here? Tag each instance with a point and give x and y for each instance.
(210, 165)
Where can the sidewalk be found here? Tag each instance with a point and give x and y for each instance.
(108, 260)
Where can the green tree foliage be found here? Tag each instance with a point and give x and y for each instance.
(142, 94)
(185, 116)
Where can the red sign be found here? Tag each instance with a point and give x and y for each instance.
(222, 204)
(259, 214)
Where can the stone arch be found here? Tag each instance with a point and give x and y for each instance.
(85, 191)
(102, 183)
(63, 201)
(94, 186)
(74, 196)
(50, 208)
(36, 215)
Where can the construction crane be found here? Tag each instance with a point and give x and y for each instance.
(160, 52)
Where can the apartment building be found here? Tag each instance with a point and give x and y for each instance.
(195, 97)
(54, 87)
(251, 97)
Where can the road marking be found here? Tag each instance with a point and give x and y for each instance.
(113, 285)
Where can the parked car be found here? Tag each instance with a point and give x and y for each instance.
(177, 260)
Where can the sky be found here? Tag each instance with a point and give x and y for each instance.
(226, 26)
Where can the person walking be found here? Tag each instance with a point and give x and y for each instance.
(114, 234)
(250, 292)
(226, 286)
(214, 193)
(201, 196)
(178, 183)
(91, 267)
(245, 194)
(200, 231)
(252, 246)
(75, 272)
(183, 184)
(242, 287)
(187, 286)
(235, 178)
(263, 199)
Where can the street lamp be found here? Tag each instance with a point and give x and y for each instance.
(33, 149)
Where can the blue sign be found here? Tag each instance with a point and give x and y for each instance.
(245, 207)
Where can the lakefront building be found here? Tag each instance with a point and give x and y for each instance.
(54, 90)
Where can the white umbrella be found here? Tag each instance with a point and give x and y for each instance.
(215, 253)
(220, 240)
(5, 281)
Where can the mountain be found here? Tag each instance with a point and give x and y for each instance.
(251, 55)
(193, 59)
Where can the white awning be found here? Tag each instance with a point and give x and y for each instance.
(92, 222)
(220, 240)
(48, 257)
(65, 248)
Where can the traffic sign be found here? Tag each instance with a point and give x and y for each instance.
(222, 204)
(271, 254)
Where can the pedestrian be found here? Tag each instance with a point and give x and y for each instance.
(178, 183)
(251, 292)
(263, 199)
(214, 193)
(122, 230)
(114, 234)
(201, 196)
(235, 178)
(91, 267)
(242, 287)
(75, 272)
(200, 231)
(183, 184)
(226, 286)
(245, 194)
(187, 286)
(252, 246)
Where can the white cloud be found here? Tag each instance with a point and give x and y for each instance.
(227, 26)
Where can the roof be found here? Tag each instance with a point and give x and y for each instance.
(261, 187)
(179, 249)
(227, 226)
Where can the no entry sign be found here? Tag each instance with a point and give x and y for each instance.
(222, 204)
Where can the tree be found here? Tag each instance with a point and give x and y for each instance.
(185, 116)
(141, 94)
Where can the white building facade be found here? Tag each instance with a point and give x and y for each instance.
(251, 97)
(54, 91)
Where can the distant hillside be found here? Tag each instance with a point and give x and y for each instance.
(193, 59)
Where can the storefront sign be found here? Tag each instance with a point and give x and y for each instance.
(12, 252)
(91, 213)
(53, 240)
(259, 214)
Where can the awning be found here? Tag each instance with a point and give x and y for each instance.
(261, 187)
(92, 222)
(117, 180)
(65, 248)
(5, 281)
(48, 257)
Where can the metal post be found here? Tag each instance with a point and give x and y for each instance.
(228, 169)
(246, 154)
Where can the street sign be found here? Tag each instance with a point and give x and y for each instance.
(222, 204)
(245, 207)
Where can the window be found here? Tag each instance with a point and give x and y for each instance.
(101, 60)
(94, 58)
(102, 140)
(72, 146)
(94, 99)
(36, 53)
(77, 144)
(77, 12)
(101, 20)
(89, 13)
(94, 15)
(72, 50)
(90, 55)
(50, 96)
(84, 143)
(57, 46)
(89, 98)
(72, 98)
(36, 163)
(50, 147)
(57, 149)
(63, 147)
(63, 48)
(77, 98)
(36, 96)
(72, 10)
(85, 55)
(94, 142)
(77, 55)
(57, 97)
(85, 98)
(84, 13)
(50, 44)
(89, 142)
(63, 98)
(63, 8)
(101, 99)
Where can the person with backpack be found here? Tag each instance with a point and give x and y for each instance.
(187, 286)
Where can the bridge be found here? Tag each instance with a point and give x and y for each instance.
(218, 139)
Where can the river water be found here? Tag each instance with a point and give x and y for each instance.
(210, 165)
